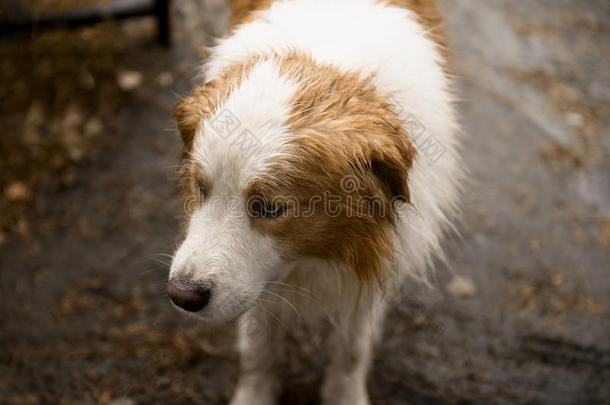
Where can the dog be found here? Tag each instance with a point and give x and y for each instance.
(320, 170)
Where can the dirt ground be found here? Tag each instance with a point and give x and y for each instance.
(88, 206)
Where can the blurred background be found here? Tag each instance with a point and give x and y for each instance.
(88, 207)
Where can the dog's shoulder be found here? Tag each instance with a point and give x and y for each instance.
(243, 11)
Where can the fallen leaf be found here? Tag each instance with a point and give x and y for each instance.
(461, 287)
(129, 80)
(17, 192)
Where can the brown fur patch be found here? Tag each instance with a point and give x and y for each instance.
(242, 11)
(203, 100)
(347, 168)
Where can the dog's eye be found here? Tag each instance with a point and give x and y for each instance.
(270, 210)
(200, 190)
(264, 209)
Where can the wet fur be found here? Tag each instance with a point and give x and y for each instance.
(344, 118)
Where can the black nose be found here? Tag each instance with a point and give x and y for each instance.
(187, 294)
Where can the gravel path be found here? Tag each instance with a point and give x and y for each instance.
(521, 313)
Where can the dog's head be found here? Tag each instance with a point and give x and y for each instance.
(284, 159)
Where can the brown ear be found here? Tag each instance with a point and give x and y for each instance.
(390, 162)
(189, 113)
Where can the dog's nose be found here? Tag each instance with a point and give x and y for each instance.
(188, 295)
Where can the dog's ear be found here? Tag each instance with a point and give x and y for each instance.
(391, 158)
(190, 112)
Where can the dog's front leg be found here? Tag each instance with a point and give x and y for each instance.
(260, 344)
(352, 345)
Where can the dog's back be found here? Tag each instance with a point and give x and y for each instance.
(345, 104)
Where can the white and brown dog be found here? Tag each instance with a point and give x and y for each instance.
(320, 170)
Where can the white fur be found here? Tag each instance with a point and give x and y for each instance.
(261, 104)
(353, 35)
(220, 245)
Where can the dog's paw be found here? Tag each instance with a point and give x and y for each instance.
(247, 397)
(338, 392)
(251, 393)
(357, 399)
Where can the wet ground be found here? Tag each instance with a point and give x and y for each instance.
(521, 313)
